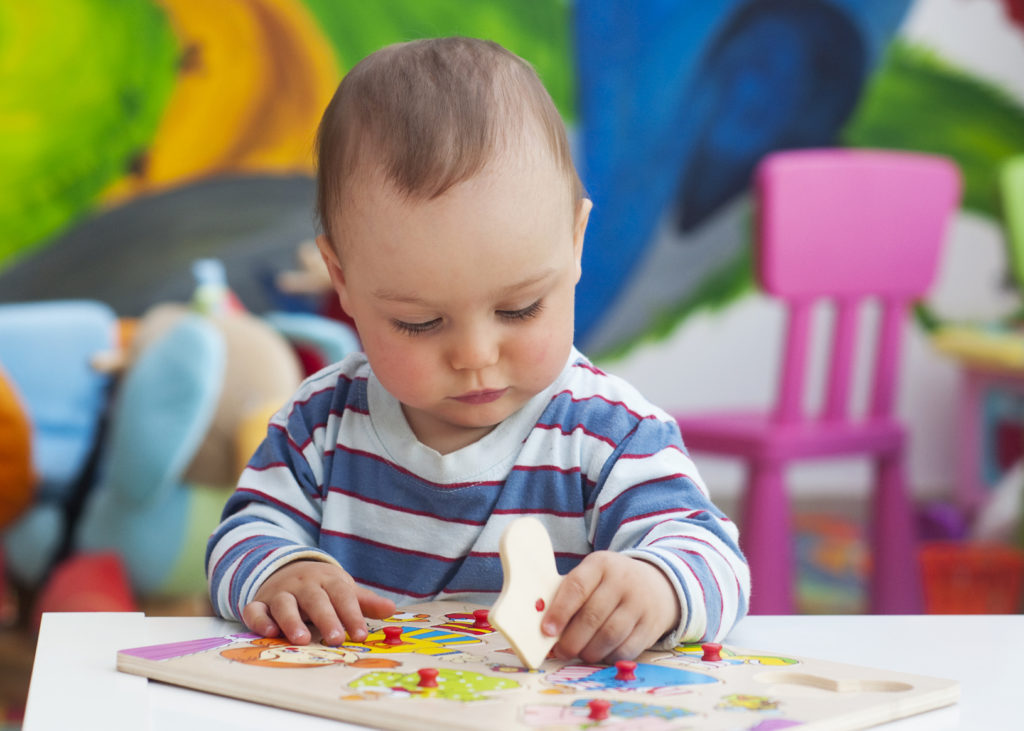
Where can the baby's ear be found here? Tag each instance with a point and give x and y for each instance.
(331, 261)
(330, 256)
(579, 229)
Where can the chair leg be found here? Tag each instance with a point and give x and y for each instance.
(896, 573)
(767, 540)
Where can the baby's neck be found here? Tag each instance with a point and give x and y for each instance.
(445, 438)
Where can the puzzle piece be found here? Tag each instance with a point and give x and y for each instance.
(531, 580)
(441, 683)
(647, 678)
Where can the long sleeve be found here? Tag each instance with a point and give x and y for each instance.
(274, 515)
(651, 504)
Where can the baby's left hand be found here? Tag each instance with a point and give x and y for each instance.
(610, 607)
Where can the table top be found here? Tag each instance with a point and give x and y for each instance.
(75, 683)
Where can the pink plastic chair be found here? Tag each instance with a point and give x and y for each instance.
(844, 226)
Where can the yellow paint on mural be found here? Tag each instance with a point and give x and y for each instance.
(255, 77)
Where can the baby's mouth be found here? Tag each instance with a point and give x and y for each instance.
(481, 397)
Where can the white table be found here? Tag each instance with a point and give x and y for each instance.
(75, 684)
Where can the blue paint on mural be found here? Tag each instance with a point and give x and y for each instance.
(679, 100)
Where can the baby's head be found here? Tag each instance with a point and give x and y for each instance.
(453, 223)
(429, 114)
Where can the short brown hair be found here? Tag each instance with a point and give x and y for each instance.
(430, 113)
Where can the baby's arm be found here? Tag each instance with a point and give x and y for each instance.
(667, 566)
(263, 561)
(265, 570)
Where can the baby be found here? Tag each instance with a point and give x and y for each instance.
(453, 223)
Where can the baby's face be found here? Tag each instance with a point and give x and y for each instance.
(464, 303)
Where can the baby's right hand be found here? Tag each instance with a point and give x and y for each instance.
(319, 592)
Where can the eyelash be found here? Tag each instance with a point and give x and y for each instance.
(421, 328)
(524, 314)
(415, 328)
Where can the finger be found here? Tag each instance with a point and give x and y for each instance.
(573, 592)
(630, 648)
(588, 634)
(284, 608)
(347, 607)
(608, 637)
(319, 607)
(374, 605)
(632, 629)
(256, 616)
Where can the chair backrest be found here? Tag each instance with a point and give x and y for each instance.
(1012, 188)
(849, 226)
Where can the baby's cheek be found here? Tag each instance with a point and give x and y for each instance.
(546, 356)
(402, 371)
(405, 384)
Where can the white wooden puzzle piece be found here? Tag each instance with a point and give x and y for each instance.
(531, 580)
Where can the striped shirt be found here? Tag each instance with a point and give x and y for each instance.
(340, 477)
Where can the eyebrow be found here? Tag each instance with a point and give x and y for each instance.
(403, 298)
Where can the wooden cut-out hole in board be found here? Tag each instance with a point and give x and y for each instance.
(835, 685)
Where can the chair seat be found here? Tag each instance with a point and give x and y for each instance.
(759, 436)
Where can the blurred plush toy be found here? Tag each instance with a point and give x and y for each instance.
(45, 350)
(134, 502)
(200, 383)
(17, 480)
(52, 408)
(308, 287)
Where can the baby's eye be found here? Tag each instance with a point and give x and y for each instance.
(524, 314)
(416, 328)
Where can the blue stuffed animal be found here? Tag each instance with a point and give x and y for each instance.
(47, 349)
(193, 403)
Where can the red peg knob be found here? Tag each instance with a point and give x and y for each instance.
(428, 677)
(625, 670)
(393, 636)
(599, 709)
(481, 619)
(712, 652)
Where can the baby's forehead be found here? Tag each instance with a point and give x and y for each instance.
(529, 155)
(507, 200)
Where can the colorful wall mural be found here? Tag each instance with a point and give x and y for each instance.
(151, 133)
(156, 131)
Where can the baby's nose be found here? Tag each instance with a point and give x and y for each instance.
(474, 349)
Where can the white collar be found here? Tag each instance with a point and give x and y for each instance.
(490, 457)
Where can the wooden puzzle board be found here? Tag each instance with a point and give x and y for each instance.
(480, 683)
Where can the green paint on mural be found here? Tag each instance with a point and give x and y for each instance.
(917, 101)
(537, 30)
(82, 87)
